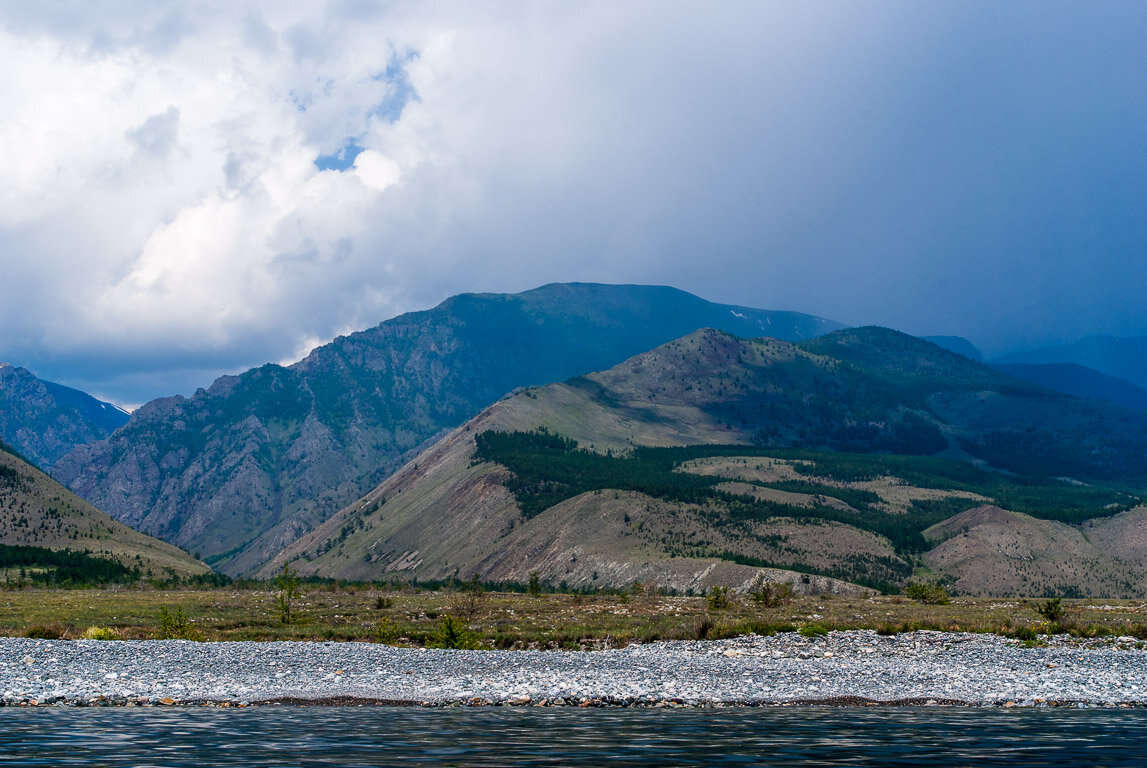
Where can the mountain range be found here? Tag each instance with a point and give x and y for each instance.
(862, 456)
(1125, 358)
(241, 469)
(346, 461)
(1079, 381)
(44, 420)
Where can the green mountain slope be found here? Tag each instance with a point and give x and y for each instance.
(43, 420)
(37, 511)
(812, 457)
(245, 467)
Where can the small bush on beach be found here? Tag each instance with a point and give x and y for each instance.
(930, 594)
(1052, 610)
(385, 632)
(173, 625)
(102, 633)
(453, 633)
(813, 630)
(288, 584)
(45, 631)
(1025, 633)
(471, 600)
(771, 594)
(720, 598)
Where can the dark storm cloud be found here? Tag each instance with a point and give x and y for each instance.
(944, 168)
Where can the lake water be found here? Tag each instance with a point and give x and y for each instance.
(374, 736)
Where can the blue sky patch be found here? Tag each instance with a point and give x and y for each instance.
(340, 160)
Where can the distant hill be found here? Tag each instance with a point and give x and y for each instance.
(243, 468)
(1079, 381)
(957, 344)
(43, 420)
(39, 512)
(1123, 358)
(718, 460)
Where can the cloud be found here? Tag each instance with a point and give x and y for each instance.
(208, 186)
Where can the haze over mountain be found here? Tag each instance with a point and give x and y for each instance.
(241, 469)
(44, 420)
(957, 344)
(1125, 358)
(1078, 381)
(499, 499)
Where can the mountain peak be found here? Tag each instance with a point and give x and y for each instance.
(44, 420)
(246, 466)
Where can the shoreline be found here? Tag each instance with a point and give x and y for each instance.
(843, 669)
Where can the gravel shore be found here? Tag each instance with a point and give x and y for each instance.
(856, 668)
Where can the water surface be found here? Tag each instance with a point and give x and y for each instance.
(374, 736)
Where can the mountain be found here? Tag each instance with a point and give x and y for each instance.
(37, 511)
(1079, 381)
(1124, 358)
(241, 469)
(43, 420)
(717, 460)
(957, 344)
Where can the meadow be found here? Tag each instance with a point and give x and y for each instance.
(469, 615)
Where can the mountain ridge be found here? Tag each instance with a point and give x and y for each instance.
(1124, 358)
(44, 420)
(240, 469)
(37, 511)
(456, 510)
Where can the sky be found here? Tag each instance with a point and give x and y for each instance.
(194, 188)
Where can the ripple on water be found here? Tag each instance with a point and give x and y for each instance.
(362, 736)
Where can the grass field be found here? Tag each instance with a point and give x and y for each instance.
(513, 620)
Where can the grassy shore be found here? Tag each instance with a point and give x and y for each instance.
(512, 620)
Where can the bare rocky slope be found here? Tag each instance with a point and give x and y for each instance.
(853, 504)
(243, 468)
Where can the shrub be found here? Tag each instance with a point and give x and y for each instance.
(771, 594)
(385, 632)
(813, 630)
(173, 625)
(1052, 610)
(382, 603)
(719, 598)
(45, 631)
(1025, 633)
(470, 602)
(930, 594)
(102, 633)
(287, 583)
(453, 633)
(535, 587)
(703, 627)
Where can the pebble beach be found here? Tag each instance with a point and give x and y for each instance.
(859, 668)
